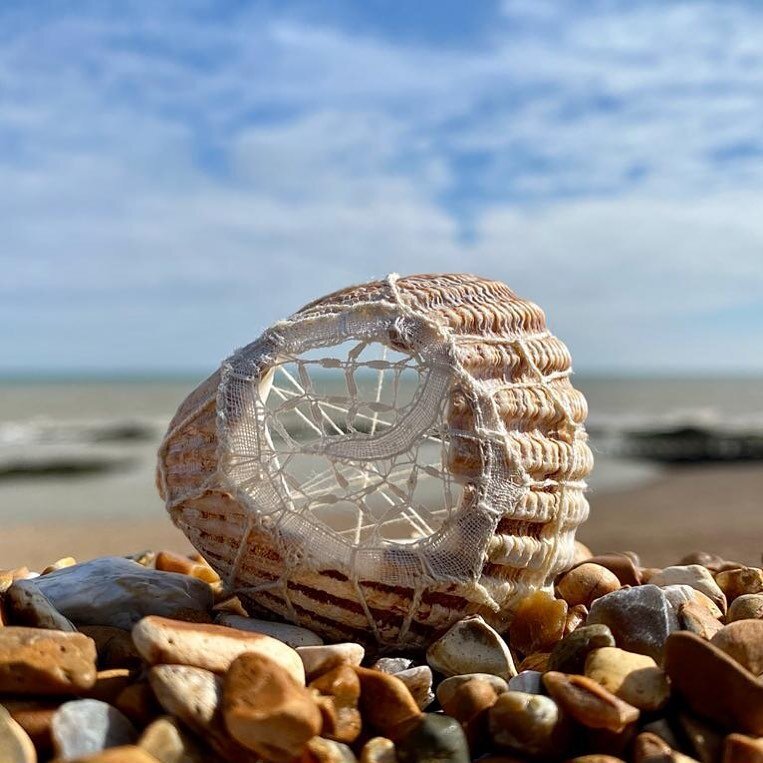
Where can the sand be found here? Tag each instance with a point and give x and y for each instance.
(713, 508)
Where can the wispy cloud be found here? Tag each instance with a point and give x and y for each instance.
(175, 177)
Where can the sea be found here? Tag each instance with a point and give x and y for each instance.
(85, 448)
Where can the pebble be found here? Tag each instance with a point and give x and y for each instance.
(194, 696)
(109, 684)
(528, 682)
(433, 738)
(337, 693)
(583, 584)
(37, 661)
(419, 683)
(695, 618)
(447, 688)
(167, 741)
(649, 748)
(634, 678)
(119, 592)
(535, 661)
(589, 703)
(739, 581)
(694, 575)
(292, 635)
(530, 724)
(169, 561)
(319, 659)
(469, 700)
(748, 606)
(114, 646)
(576, 616)
(59, 564)
(26, 605)
(378, 750)
(121, 754)
(705, 740)
(622, 565)
(15, 744)
(701, 673)
(743, 640)
(641, 618)
(35, 717)
(138, 703)
(471, 646)
(582, 553)
(212, 647)
(385, 702)
(569, 654)
(738, 748)
(86, 726)
(538, 623)
(680, 594)
(267, 710)
(392, 665)
(320, 750)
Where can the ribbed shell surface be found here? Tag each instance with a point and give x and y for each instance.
(517, 445)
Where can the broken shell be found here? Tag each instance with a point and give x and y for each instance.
(393, 457)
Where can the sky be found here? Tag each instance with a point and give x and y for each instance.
(176, 176)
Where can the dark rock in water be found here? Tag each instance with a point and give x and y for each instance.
(433, 739)
(119, 592)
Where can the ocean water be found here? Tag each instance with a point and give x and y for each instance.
(84, 448)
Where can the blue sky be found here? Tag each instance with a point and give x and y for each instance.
(175, 176)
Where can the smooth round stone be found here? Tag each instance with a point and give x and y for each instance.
(739, 748)
(338, 694)
(634, 678)
(121, 754)
(292, 635)
(433, 739)
(169, 561)
(538, 623)
(576, 616)
(582, 553)
(86, 726)
(737, 582)
(695, 618)
(569, 654)
(419, 683)
(119, 592)
(701, 673)
(622, 565)
(15, 744)
(705, 739)
(748, 606)
(469, 700)
(385, 701)
(212, 647)
(38, 661)
(26, 605)
(320, 659)
(447, 688)
(694, 575)
(378, 750)
(589, 703)
(650, 747)
(743, 640)
(35, 716)
(583, 584)
(392, 665)
(641, 618)
(167, 741)
(114, 646)
(320, 750)
(471, 646)
(530, 724)
(266, 710)
(680, 594)
(527, 682)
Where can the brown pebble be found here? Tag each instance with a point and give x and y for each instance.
(378, 750)
(711, 561)
(738, 748)
(138, 703)
(267, 710)
(621, 564)
(114, 646)
(538, 623)
(583, 584)
(582, 553)
(124, 754)
(25, 605)
(168, 741)
(169, 561)
(338, 693)
(588, 703)
(701, 673)
(36, 661)
(740, 581)
(647, 573)
(320, 750)
(35, 717)
(385, 702)
(59, 564)
(705, 740)
(535, 661)
(15, 744)
(748, 606)
(743, 640)
(649, 748)
(576, 616)
(695, 618)
(469, 699)
(109, 684)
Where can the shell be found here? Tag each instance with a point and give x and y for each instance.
(451, 468)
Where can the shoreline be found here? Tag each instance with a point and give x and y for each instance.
(716, 508)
